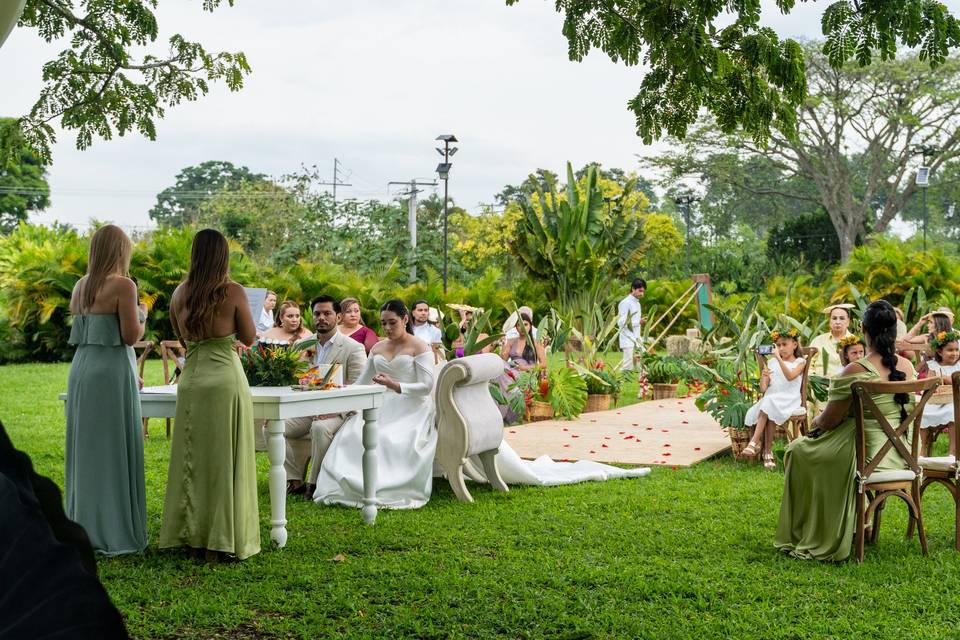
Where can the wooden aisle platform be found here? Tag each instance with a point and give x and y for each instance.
(657, 432)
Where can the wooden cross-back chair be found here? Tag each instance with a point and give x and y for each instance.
(944, 470)
(796, 426)
(143, 349)
(172, 353)
(874, 487)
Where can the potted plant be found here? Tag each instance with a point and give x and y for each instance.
(603, 385)
(664, 372)
(727, 399)
(275, 365)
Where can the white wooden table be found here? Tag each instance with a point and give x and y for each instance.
(276, 404)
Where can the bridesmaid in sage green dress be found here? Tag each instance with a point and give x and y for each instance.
(211, 501)
(818, 511)
(103, 475)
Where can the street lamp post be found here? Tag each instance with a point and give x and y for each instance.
(923, 181)
(443, 170)
(685, 201)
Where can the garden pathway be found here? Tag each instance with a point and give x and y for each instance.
(657, 432)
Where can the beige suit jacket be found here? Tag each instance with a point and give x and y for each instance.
(349, 353)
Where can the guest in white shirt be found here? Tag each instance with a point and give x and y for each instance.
(265, 322)
(421, 325)
(629, 321)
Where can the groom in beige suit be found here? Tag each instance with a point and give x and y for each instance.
(309, 438)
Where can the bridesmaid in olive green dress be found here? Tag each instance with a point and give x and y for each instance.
(817, 514)
(103, 474)
(211, 501)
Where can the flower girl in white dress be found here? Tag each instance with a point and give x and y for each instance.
(780, 382)
(407, 442)
(946, 345)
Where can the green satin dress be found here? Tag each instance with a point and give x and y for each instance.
(818, 510)
(211, 500)
(103, 475)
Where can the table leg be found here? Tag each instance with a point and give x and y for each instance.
(370, 439)
(276, 450)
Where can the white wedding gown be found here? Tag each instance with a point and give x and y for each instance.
(406, 445)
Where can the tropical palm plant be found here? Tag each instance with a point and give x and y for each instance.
(573, 241)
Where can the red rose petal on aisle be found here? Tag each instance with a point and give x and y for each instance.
(603, 446)
(649, 428)
(512, 431)
(621, 432)
(593, 421)
(665, 454)
(660, 406)
(574, 436)
(592, 451)
(696, 448)
(635, 424)
(566, 445)
(666, 445)
(665, 430)
(606, 437)
(565, 429)
(629, 438)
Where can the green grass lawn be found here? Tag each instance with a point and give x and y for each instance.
(679, 554)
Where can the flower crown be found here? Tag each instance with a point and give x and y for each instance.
(776, 334)
(849, 341)
(942, 338)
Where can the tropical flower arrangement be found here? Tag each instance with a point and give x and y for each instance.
(275, 365)
(728, 397)
(313, 379)
(943, 338)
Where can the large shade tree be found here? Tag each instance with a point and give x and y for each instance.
(714, 55)
(23, 184)
(111, 77)
(181, 203)
(862, 132)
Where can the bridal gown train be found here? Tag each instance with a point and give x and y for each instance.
(406, 445)
(545, 472)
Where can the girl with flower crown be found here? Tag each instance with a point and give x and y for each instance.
(946, 361)
(851, 349)
(780, 383)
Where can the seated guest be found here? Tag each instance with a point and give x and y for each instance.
(289, 326)
(817, 514)
(420, 323)
(510, 326)
(351, 324)
(851, 349)
(309, 438)
(946, 361)
(265, 321)
(466, 320)
(935, 321)
(781, 383)
(827, 342)
(519, 354)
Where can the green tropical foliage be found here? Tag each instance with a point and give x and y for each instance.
(23, 181)
(572, 241)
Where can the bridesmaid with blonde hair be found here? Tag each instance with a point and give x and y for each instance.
(103, 475)
(211, 502)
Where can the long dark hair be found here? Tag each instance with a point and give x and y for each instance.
(941, 322)
(205, 288)
(397, 307)
(529, 352)
(880, 323)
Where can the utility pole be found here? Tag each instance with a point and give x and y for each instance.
(412, 219)
(685, 201)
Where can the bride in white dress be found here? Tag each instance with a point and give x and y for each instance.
(407, 440)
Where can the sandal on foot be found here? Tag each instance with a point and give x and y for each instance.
(751, 450)
(769, 462)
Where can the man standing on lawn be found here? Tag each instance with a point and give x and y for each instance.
(629, 321)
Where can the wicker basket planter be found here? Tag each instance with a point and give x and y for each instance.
(598, 402)
(540, 411)
(739, 439)
(664, 391)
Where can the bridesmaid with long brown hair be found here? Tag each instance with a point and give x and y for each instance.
(211, 502)
(103, 477)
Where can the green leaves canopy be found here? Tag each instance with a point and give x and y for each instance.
(715, 55)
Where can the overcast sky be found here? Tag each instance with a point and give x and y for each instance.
(371, 83)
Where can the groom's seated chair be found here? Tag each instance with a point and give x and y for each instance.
(468, 419)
